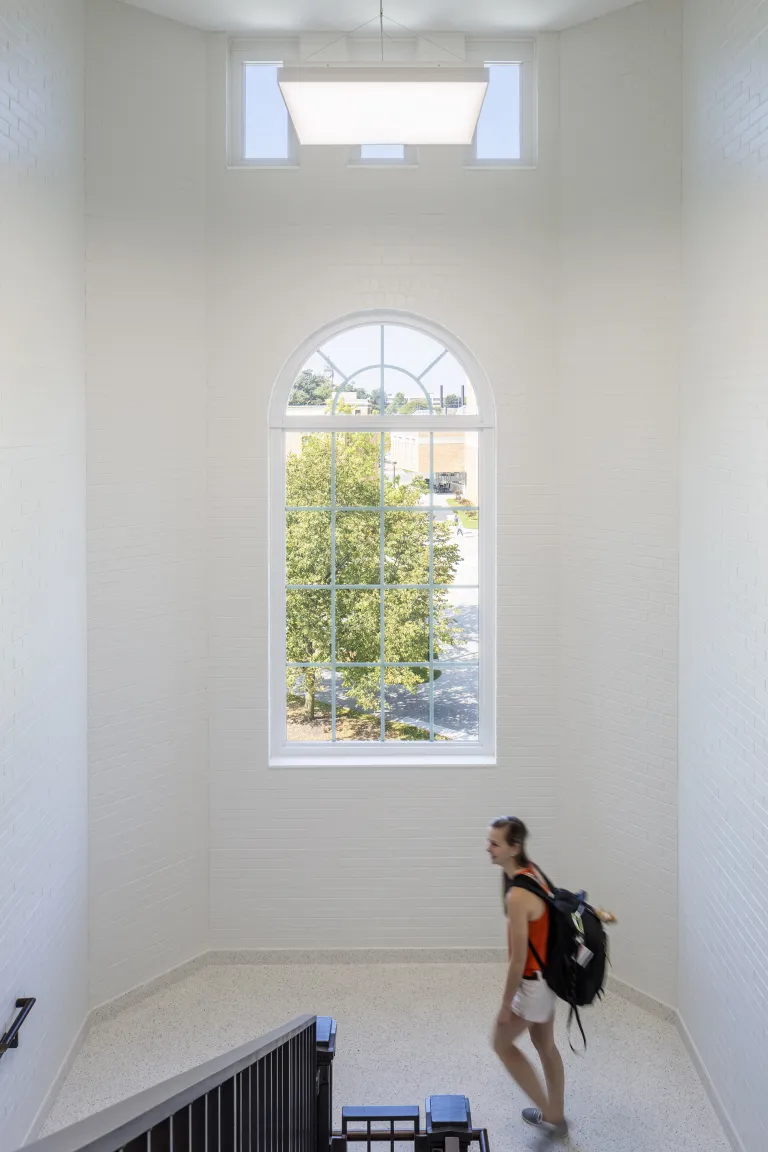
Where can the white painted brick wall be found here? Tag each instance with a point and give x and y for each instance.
(148, 753)
(394, 858)
(361, 858)
(619, 284)
(43, 779)
(724, 558)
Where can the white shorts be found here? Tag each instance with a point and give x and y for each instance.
(534, 1001)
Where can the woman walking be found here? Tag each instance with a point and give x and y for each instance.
(527, 1002)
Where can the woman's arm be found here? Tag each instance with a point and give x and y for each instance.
(517, 913)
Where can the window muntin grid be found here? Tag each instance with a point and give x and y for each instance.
(398, 369)
(334, 593)
(459, 738)
(333, 590)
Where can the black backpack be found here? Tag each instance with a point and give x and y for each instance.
(577, 946)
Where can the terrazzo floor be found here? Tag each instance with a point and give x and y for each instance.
(406, 1031)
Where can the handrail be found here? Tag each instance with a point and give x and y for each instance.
(115, 1127)
(10, 1039)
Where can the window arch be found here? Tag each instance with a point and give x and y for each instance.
(382, 646)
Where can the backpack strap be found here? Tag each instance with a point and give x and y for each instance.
(533, 886)
(573, 1011)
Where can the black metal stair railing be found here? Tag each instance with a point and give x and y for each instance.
(10, 1039)
(262, 1097)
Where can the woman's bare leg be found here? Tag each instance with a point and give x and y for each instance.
(543, 1037)
(517, 1064)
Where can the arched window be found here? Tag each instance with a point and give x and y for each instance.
(382, 531)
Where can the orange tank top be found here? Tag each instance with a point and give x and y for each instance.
(538, 934)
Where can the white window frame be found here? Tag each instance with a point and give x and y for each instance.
(262, 52)
(410, 159)
(523, 53)
(292, 49)
(477, 753)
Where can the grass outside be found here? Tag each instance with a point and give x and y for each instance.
(351, 724)
(468, 519)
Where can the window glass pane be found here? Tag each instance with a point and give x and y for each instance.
(354, 349)
(308, 704)
(358, 704)
(451, 392)
(358, 536)
(266, 116)
(407, 703)
(403, 396)
(360, 396)
(455, 468)
(312, 393)
(382, 152)
(406, 627)
(353, 569)
(456, 704)
(358, 469)
(410, 349)
(456, 626)
(455, 534)
(308, 469)
(308, 548)
(358, 626)
(415, 368)
(498, 129)
(406, 547)
(308, 625)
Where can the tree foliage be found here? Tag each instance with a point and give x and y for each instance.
(360, 558)
(310, 388)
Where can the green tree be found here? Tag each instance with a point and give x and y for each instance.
(310, 388)
(415, 406)
(452, 400)
(359, 560)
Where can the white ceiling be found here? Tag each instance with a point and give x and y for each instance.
(474, 16)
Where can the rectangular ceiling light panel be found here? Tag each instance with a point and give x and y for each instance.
(383, 105)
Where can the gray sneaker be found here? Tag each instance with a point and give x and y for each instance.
(534, 1118)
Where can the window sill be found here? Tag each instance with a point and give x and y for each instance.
(471, 760)
(265, 166)
(500, 166)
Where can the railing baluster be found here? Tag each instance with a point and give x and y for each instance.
(264, 1101)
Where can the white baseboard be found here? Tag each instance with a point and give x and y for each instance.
(722, 1114)
(111, 1008)
(641, 999)
(58, 1081)
(358, 956)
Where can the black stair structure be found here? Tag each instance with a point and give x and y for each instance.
(274, 1094)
